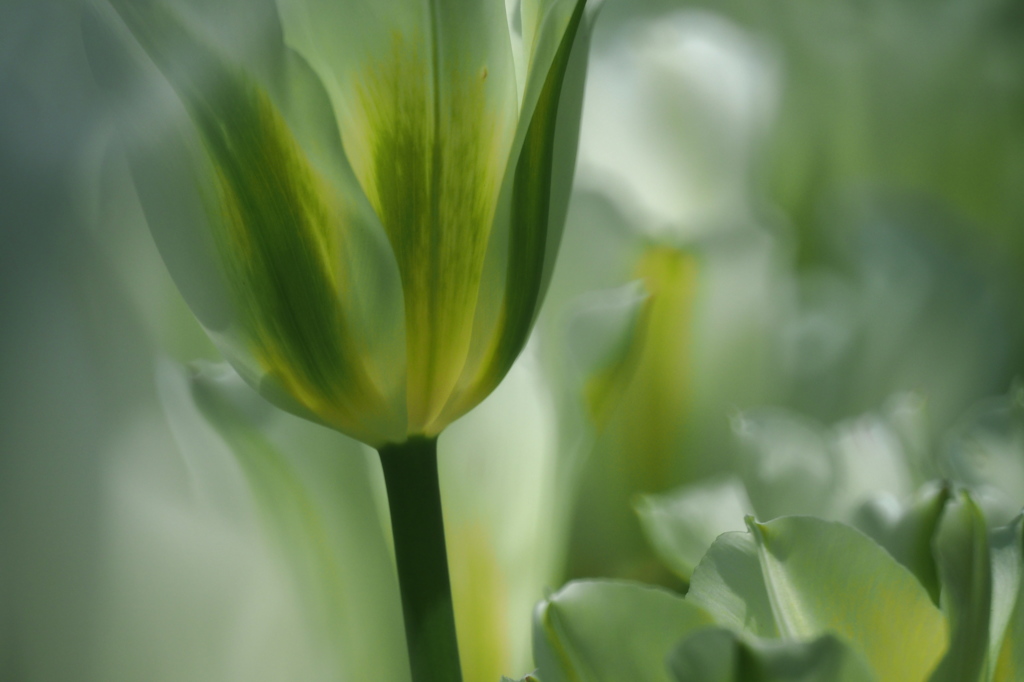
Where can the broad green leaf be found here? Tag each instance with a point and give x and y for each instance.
(908, 534)
(801, 577)
(717, 655)
(603, 631)
(683, 524)
(962, 555)
(1006, 632)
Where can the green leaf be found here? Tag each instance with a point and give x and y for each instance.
(681, 525)
(962, 555)
(603, 631)
(717, 655)
(800, 577)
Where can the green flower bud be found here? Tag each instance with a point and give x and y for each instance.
(361, 202)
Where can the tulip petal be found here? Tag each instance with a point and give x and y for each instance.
(801, 577)
(426, 101)
(964, 564)
(534, 195)
(605, 631)
(718, 655)
(280, 230)
(682, 524)
(1006, 633)
(908, 536)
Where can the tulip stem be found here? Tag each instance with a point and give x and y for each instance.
(414, 497)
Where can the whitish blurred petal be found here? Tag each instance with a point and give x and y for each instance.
(671, 121)
(498, 468)
(787, 463)
(191, 590)
(314, 492)
(985, 450)
(792, 465)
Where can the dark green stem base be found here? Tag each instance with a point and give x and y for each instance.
(414, 496)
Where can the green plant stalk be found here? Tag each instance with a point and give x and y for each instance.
(414, 497)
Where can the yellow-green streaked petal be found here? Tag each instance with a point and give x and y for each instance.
(538, 17)
(964, 564)
(426, 97)
(369, 284)
(800, 577)
(445, 45)
(280, 232)
(533, 202)
(248, 34)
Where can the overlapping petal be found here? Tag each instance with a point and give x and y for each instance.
(370, 199)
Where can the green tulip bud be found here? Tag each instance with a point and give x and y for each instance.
(361, 201)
